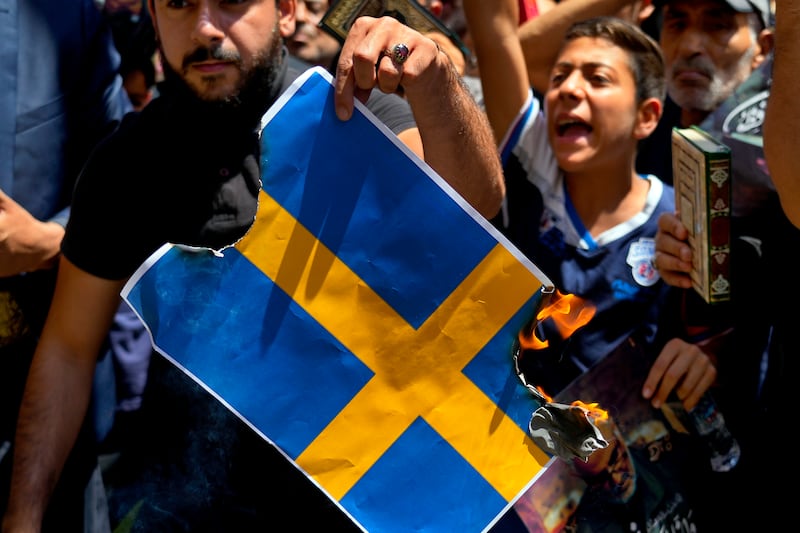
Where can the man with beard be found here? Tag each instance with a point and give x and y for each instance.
(195, 181)
(711, 47)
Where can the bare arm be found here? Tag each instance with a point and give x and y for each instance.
(783, 109)
(493, 27)
(455, 136)
(57, 391)
(541, 36)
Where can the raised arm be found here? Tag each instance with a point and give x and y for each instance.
(493, 27)
(541, 36)
(454, 136)
(57, 391)
(783, 109)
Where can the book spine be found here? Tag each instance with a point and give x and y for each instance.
(719, 234)
(689, 176)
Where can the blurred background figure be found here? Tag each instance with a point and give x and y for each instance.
(139, 77)
(135, 40)
(315, 46)
(309, 42)
(61, 95)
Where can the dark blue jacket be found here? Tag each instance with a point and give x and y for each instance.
(59, 95)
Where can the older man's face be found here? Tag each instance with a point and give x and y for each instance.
(709, 50)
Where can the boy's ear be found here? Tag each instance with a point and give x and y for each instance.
(647, 118)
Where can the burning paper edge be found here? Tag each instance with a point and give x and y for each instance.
(567, 431)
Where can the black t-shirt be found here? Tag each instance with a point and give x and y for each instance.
(178, 172)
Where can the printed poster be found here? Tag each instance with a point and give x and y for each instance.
(651, 476)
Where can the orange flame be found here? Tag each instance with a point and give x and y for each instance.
(547, 397)
(568, 312)
(594, 410)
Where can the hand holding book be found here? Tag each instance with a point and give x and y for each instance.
(701, 168)
(342, 13)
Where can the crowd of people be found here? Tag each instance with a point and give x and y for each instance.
(556, 127)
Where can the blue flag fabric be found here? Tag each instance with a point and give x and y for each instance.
(363, 326)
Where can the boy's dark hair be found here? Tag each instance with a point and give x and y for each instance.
(646, 59)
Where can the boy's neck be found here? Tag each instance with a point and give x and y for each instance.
(603, 202)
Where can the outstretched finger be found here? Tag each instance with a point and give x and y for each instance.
(348, 67)
(659, 382)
